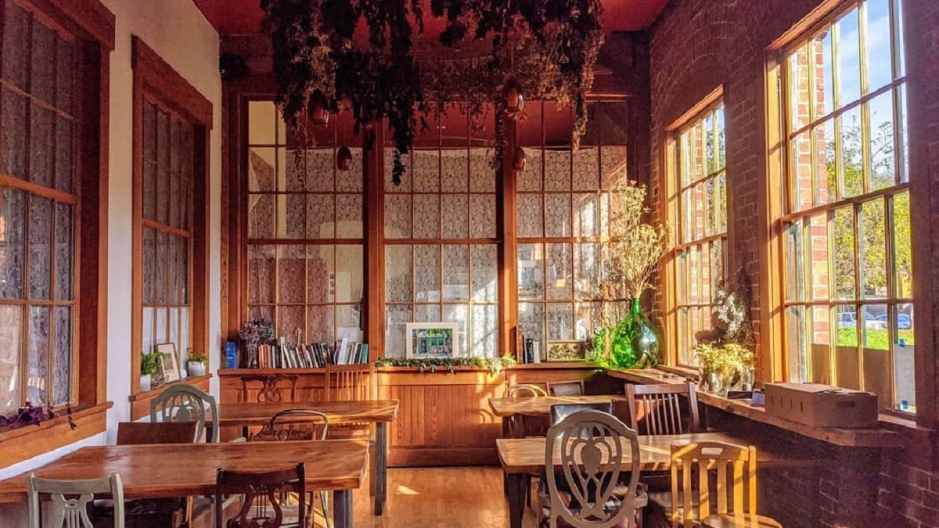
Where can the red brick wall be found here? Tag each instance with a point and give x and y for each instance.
(698, 45)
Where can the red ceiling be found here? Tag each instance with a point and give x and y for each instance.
(243, 17)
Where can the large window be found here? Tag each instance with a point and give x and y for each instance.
(305, 227)
(563, 220)
(440, 237)
(39, 199)
(701, 231)
(166, 228)
(846, 221)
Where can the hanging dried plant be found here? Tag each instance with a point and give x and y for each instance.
(631, 258)
(548, 47)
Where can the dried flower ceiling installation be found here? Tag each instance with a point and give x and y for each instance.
(527, 49)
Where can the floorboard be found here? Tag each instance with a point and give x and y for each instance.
(439, 497)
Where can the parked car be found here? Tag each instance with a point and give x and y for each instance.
(904, 322)
(849, 320)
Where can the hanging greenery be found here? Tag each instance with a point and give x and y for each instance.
(495, 365)
(547, 48)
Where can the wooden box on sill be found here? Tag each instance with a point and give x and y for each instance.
(819, 405)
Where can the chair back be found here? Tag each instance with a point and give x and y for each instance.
(525, 390)
(658, 408)
(590, 471)
(566, 388)
(562, 410)
(70, 500)
(261, 490)
(184, 403)
(315, 428)
(735, 468)
(348, 382)
(268, 389)
(157, 432)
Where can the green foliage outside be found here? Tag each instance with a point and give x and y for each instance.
(874, 339)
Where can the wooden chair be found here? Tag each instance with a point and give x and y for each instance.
(184, 403)
(269, 390)
(735, 468)
(586, 491)
(561, 411)
(70, 499)
(273, 433)
(261, 492)
(566, 388)
(349, 382)
(129, 433)
(658, 408)
(525, 390)
(146, 513)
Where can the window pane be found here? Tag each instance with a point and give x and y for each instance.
(40, 242)
(11, 348)
(454, 165)
(530, 271)
(320, 324)
(427, 270)
(849, 58)
(798, 358)
(13, 137)
(37, 375)
(16, 36)
(485, 331)
(320, 268)
(290, 274)
(260, 274)
(64, 263)
(350, 263)
(819, 274)
(560, 321)
(882, 146)
(531, 323)
(485, 273)
(261, 119)
(872, 226)
(530, 216)
(455, 215)
(845, 270)
(558, 215)
(320, 216)
(852, 153)
(905, 380)
(398, 287)
(455, 273)
(824, 75)
(427, 216)
(820, 342)
(903, 257)
(12, 243)
(397, 216)
(559, 271)
(349, 216)
(396, 319)
(483, 216)
(877, 46)
(557, 170)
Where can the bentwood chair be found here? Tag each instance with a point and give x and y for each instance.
(525, 390)
(70, 500)
(272, 432)
(261, 490)
(587, 490)
(566, 388)
(184, 403)
(663, 409)
(562, 410)
(733, 505)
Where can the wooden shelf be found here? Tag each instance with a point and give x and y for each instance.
(555, 365)
(267, 371)
(879, 438)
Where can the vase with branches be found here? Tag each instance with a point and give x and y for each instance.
(628, 338)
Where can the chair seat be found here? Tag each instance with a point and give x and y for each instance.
(141, 513)
(739, 520)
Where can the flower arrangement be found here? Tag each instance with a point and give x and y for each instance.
(33, 415)
(727, 360)
(547, 48)
(256, 331)
(196, 357)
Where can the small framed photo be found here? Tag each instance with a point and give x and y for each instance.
(169, 362)
(432, 340)
(566, 351)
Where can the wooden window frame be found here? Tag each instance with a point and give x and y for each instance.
(778, 208)
(92, 25)
(154, 79)
(675, 189)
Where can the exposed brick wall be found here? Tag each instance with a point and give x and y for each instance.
(699, 45)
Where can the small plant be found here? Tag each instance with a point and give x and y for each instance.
(149, 365)
(196, 357)
(727, 359)
(256, 331)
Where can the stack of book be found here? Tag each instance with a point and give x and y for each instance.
(314, 355)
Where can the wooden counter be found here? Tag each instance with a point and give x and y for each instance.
(878, 438)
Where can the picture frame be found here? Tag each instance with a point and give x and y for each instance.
(566, 351)
(169, 362)
(432, 340)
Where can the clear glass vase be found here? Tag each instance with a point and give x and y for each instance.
(250, 359)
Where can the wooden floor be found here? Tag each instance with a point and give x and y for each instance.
(439, 497)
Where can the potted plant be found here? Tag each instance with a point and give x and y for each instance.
(722, 365)
(196, 363)
(149, 365)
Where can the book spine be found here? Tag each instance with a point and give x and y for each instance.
(529, 350)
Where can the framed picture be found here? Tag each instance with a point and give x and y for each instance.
(432, 340)
(566, 351)
(169, 362)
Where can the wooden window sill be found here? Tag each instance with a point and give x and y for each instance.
(885, 436)
(28, 441)
(140, 402)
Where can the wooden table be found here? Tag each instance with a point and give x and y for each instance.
(526, 456)
(379, 412)
(175, 471)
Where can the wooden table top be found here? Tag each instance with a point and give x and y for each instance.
(541, 405)
(252, 413)
(527, 455)
(180, 470)
(739, 520)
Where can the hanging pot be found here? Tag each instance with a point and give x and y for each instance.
(520, 159)
(318, 109)
(344, 158)
(513, 98)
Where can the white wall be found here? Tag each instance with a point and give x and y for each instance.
(181, 35)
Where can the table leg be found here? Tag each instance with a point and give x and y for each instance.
(381, 466)
(506, 433)
(342, 509)
(516, 486)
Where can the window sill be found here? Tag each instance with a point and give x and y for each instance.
(886, 436)
(140, 402)
(23, 443)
